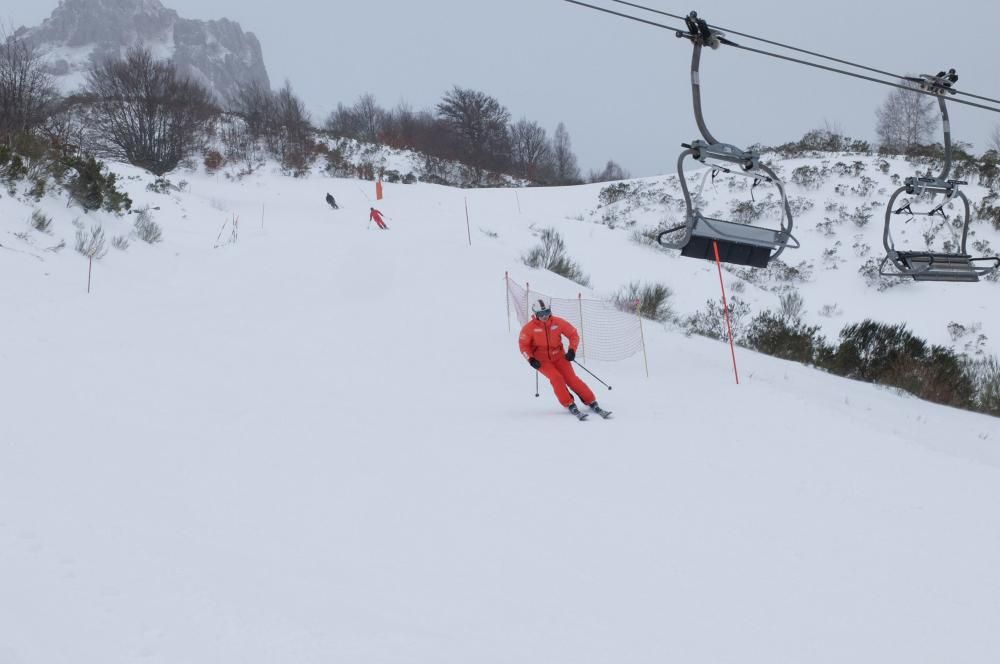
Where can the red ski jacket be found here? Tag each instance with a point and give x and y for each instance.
(542, 340)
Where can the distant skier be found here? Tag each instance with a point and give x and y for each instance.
(332, 201)
(377, 216)
(541, 344)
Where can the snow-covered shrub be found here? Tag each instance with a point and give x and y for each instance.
(746, 212)
(783, 272)
(809, 177)
(146, 229)
(854, 169)
(971, 335)
(40, 221)
(826, 227)
(551, 255)
(787, 338)
(869, 271)
(653, 300)
(711, 321)
(613, 193)
(800, 205)
(12, 167)
(861, 248)
(92, 189)
(646, 236)
(830, 310)
(861, 216)
(864, 187)
(93, 244)
(791, 306)
(213, 161)
(985, 373)
(988, 170)
(830, 258)
(162, 185)
(120, 242)
(892, 355)
(988, 209)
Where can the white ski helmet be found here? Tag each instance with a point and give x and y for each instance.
(540, 309)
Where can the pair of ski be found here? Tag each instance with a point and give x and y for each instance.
(580, 415)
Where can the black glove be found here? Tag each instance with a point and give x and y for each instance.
(534, 363)
(570, 355)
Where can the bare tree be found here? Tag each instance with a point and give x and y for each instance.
(27, 93)
(147, 114)
(344, 122)
(290, 130)
(994, 143)
(371, 116)
(254, 102)
(479, 124)
(566, 169)
(612, 171)
(531, 152)
(905, 120)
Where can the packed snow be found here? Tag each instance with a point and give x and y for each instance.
(314, 441)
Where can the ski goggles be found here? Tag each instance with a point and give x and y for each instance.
(542, 314)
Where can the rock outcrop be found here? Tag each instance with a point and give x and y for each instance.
(219, 54)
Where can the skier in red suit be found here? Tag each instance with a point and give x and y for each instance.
(377, 216)
(542, 346)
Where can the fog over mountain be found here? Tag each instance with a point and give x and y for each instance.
(217, 53)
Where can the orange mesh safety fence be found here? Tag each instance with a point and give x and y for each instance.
(606, 332)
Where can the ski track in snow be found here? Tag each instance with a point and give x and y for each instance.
(320, 444)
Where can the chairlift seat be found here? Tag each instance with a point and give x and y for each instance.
(925, 266)
(739, 244)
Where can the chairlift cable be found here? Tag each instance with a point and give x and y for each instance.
(729, 31)
(767, 41)
(844, 62)
(650, 9)
(633, 18)
(861, 76)
(681, 33)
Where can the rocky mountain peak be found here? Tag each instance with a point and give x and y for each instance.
(218, 53)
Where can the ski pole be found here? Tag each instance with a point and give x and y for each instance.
(536, 382)
(592, 374)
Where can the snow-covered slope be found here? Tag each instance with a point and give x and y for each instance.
(318, 443)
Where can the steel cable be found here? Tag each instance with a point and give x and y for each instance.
(683, 32)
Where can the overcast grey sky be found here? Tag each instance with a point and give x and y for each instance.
(622, 88)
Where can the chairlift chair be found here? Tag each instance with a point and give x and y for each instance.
(956, 266)
(740, 244)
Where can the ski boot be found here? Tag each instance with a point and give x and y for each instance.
(600, 411)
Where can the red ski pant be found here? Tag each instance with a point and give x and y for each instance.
(560, 374)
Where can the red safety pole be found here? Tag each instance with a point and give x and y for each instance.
(90, 268)
(725, 308)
